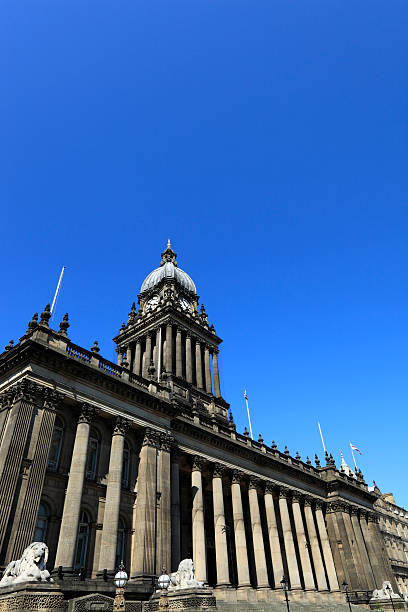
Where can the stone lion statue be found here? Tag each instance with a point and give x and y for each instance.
(30, 568)
(184, 577)
(384, 593)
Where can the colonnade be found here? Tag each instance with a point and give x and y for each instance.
(179, 352)
(275, 530)
(303, 551)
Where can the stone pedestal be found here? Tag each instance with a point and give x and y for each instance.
(385, 604)
(187, 600)
(31, 597)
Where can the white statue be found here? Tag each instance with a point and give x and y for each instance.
(184, 577)
(30, 568)
(385, 592)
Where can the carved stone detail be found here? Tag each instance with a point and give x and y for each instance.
(198, 464)
(121, 425)
(319, 504)
(151, 438)
(297, 496)
(284, 492)
(237, 477)
(219, 470)
(52, 399)
(88, 414)
(254, 482)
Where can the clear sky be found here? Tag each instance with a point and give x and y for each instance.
(268, 140)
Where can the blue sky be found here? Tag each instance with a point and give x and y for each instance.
(268, 140)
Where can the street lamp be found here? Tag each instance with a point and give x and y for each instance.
(345, 587)
(163, 584)
(389, 591)
(120, 581)
(285, 587)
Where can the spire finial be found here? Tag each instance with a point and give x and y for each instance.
(168, 255)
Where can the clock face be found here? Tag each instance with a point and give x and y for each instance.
(185, 304)
(152, 303)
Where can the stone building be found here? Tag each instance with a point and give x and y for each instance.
(140, 460)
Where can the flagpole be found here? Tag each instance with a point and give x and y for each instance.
(249, 418)
(321, 435)
(57, 292)
(354, 459)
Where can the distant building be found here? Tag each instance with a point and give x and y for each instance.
(140, 460)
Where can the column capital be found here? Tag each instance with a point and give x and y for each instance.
(188, 335)
(151, 438)
(166, 442)
(219, 470)
(296, 496)
(88, 413)
(198, 463)
(270, 487)
(207, 347)
(354, 511)
(254, 482)
(319, 504)
(120, 426)
(215, 350)
(138, 340)
(179, 329)
(26, 390)
(372, 517)
(52, 399)
(363, 514)
(309, 501)
(149, 334)
(237, 477)
(284, 493)
(6, 398)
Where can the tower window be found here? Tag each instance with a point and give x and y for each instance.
(82, 541)
(93, 451)
(41, 525)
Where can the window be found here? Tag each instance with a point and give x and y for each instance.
(41, 525)
(93, 449)
(120, 545)
(82, 541)
(125, 466)
(56, 443)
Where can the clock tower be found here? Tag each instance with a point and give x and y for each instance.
(168, 342)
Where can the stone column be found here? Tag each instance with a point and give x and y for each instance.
(199, 366)
(375, 561)
(20, 400)
(239, 531)
(157, 356)
(378, 542)
(164, 503)
(199, 550)
(314, 545)
(217, 390)
(366, 566)
(73, 497)
(138, 354)
(221, 549)
(294, 577)
(259, 549)
(169, 348)
(145, 516)
(175, 510)
(303, 544)
(129, 355)
(276, 553)
(32, 481)
(354, 563)
(189, 360)
(109, 538)
(331, 540)
(148, 354)
(179, 358)
(208, 383)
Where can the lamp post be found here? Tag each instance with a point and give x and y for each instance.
(163, 584)
(120, 581)
(345, 587)
(285, 587)
(389, 591)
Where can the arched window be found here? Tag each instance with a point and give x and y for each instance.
(56, 444)
(125, 466)
(93, 451)
(41, 525)
(120, 545)
(82, 541)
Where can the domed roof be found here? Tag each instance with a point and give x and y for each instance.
(168, 269)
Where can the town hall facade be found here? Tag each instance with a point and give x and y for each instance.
(140, 461)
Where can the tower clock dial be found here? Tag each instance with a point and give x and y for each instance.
(184, 303)
(152, 303)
